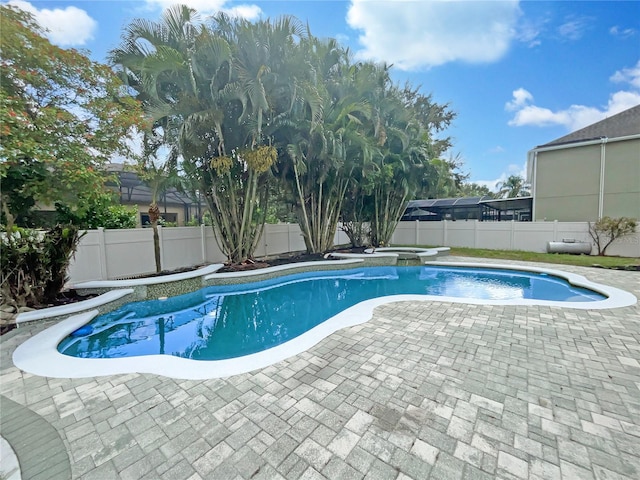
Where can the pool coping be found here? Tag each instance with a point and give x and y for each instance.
(64, 311)
(145, 281)
(616, 298)
(39, 354)
(110, 292)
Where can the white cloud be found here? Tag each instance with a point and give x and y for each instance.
(208, 7)
(416, 34)
(202, 6)
(529, 31)
(616, 31)
(70, 26)
(342, 38)
(529, 34)
(628, 75)
(574, 28)
(512, 169)
(250, 12)
(576, 116)
(497, 149)
(520, 98)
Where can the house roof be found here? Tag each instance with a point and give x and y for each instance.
(622, 124)
(504, 204)
(446, 202)
(443, 203)
(133, 190)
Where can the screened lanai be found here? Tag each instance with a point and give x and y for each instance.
(483, 208)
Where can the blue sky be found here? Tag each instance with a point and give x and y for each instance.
(518, 74)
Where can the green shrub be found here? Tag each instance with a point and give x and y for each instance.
(606, 230)
(34, 263)
(102, 211)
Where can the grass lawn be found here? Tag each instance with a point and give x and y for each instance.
(562, 258)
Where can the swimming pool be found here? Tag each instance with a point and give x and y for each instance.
(225, 330)
(218, 323)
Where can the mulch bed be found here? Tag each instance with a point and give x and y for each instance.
(66, 297)
(271, 262)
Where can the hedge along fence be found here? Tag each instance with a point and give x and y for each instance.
(34, 264)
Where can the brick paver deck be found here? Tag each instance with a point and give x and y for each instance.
(423, 390)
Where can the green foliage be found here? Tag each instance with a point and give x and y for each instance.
(222, 74)
(474, 190)
(33, 264)
(248, 105)
(164, 223)
(98, 211)
(607, 230)
(61, 117)
(514, 186)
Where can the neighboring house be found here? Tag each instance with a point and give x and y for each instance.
(175, 207)
(588, 174)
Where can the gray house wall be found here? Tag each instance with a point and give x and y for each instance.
(622, 179)
(576, 183)
(567, 183)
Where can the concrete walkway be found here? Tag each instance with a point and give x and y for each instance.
(424, 390)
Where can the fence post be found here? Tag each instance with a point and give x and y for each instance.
(475, 233)
(289, 226)
(417, 232)
(555, 230)
(265, 234)
(513, 235)
(102, 245)
(203, 242)
(444, 233)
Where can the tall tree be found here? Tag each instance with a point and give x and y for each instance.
(474, 190)
(407, 125)
(513, 186)
(243, 103)
(159, 174)
(325, 140)
(259, 90)
(211, 91)
(61, 117)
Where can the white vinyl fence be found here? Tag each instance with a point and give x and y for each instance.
(527, 236)
(110, 254)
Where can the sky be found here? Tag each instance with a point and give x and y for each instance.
(517, 74)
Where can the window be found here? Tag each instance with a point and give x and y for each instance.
(165, 218)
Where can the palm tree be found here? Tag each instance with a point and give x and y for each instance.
(513, 186)
(404, 167)
(158, 176)
(208, 107)
(322, 137)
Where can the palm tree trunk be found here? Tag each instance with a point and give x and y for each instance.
(306, 227)
(156, 246)
(154, 215)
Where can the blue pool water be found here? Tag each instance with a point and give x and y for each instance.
(223, 322)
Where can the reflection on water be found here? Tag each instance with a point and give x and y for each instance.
(226, 322)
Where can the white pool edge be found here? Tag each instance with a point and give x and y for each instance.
(281, 268)
(145, 281)
(73, 308)
(39, 355)
(616, 298)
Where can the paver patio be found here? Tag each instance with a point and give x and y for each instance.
(423, 390)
